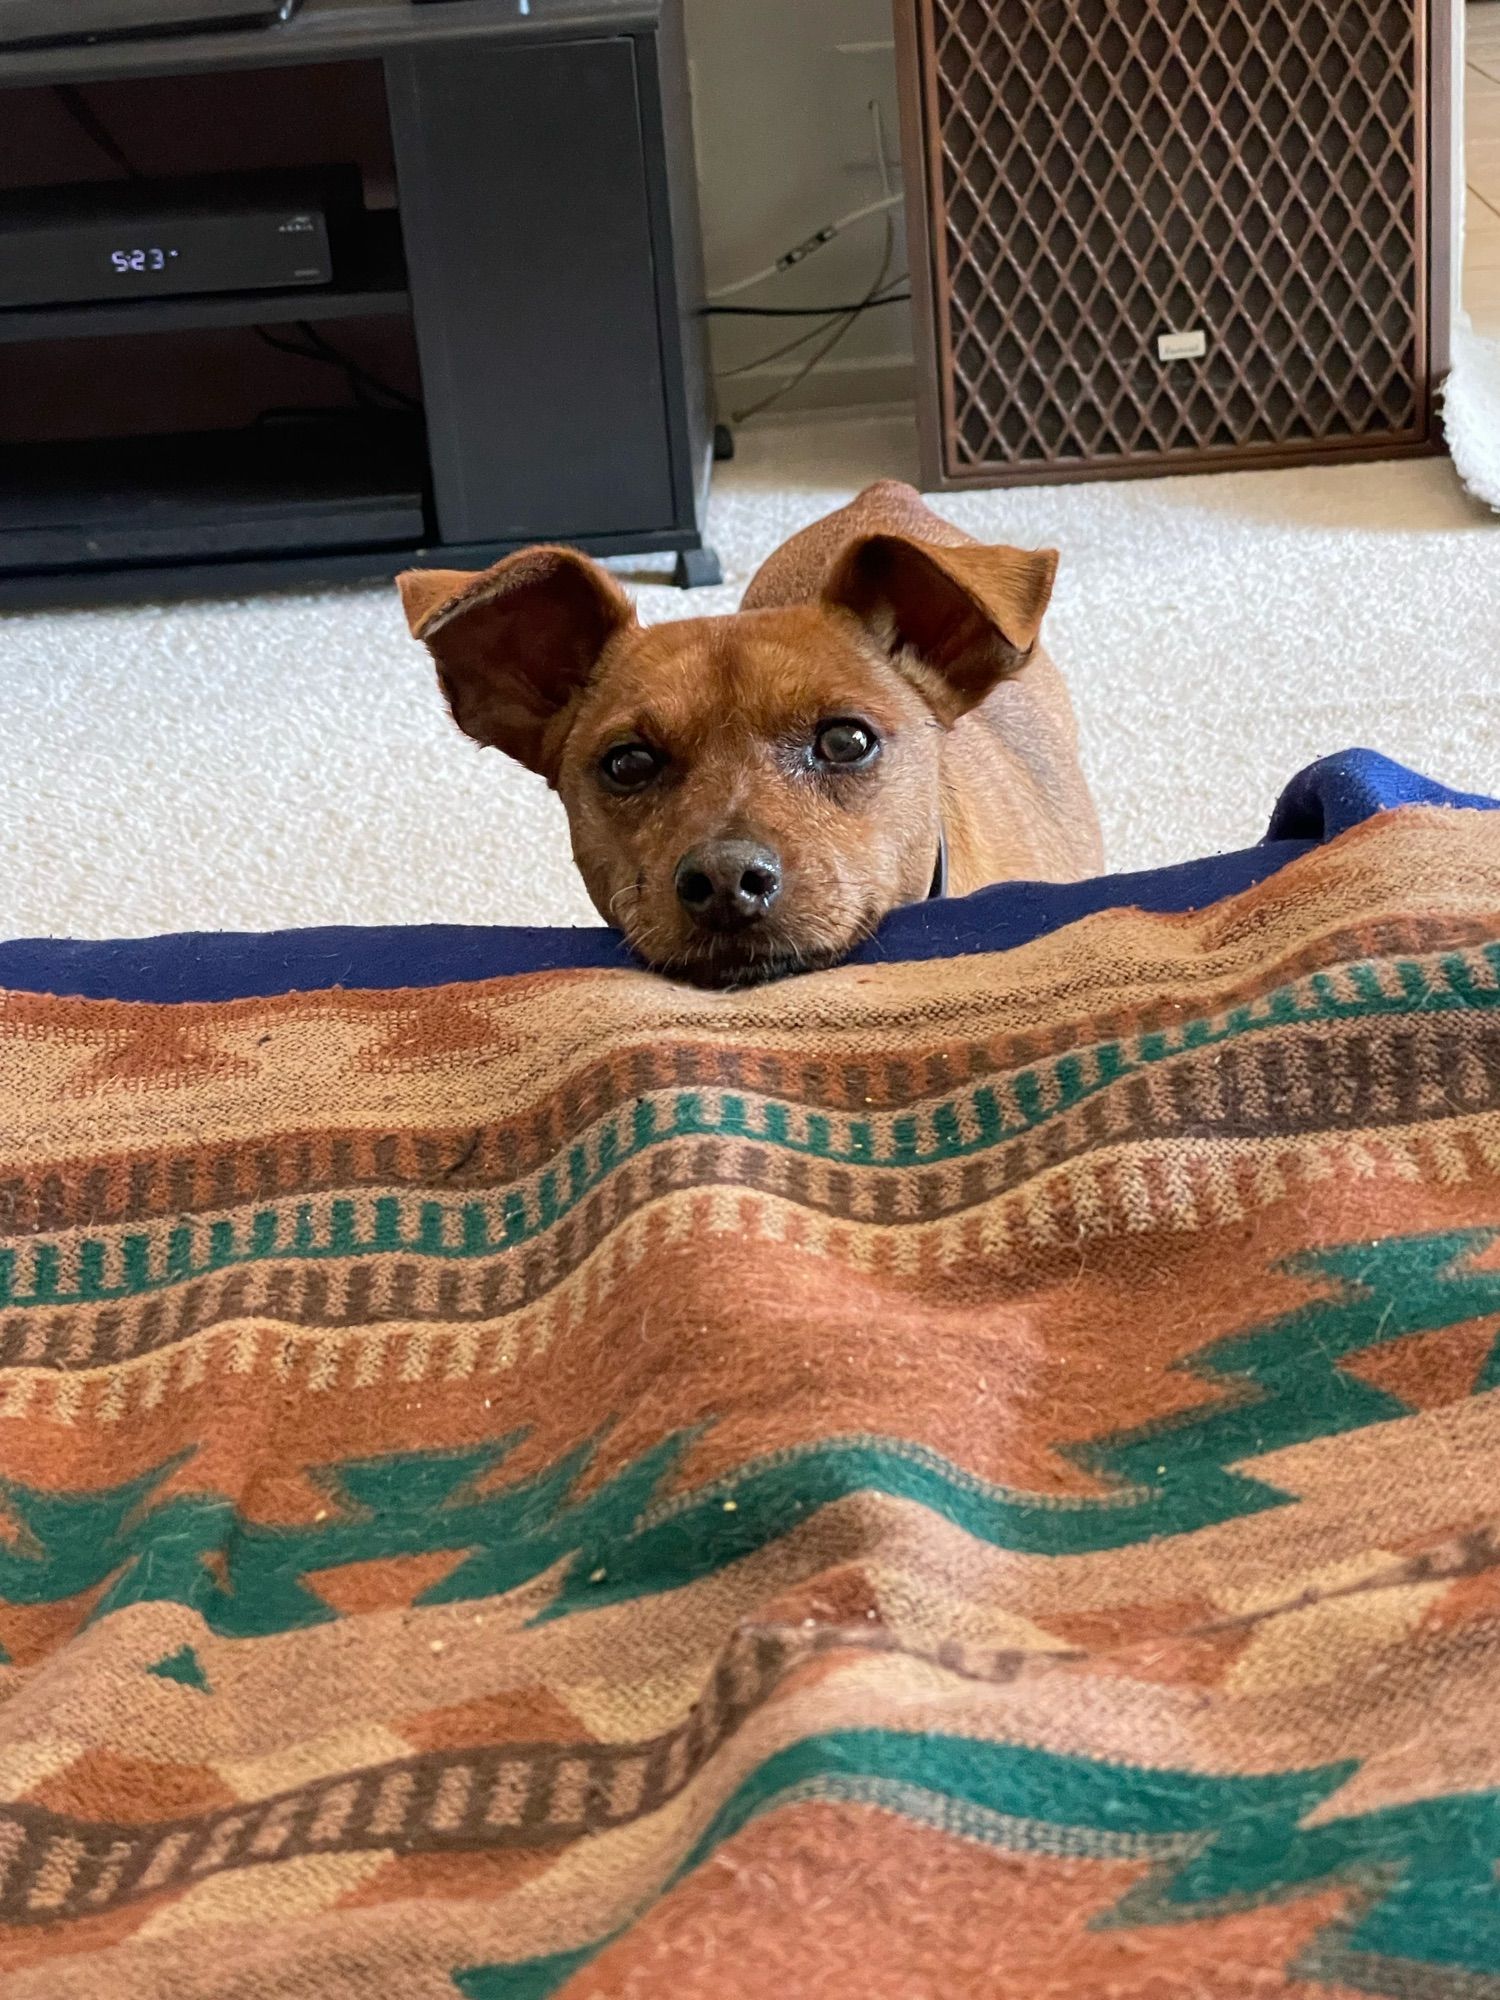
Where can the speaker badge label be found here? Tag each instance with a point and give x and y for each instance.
(1191, 346)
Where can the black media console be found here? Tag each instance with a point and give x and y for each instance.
(509, 349)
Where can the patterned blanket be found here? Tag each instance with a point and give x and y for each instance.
(956, 1479)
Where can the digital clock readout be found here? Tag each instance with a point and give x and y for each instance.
(150, 259)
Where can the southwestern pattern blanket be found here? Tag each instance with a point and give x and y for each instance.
(939, 1479)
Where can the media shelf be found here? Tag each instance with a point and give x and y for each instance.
(319, 481)
(524, 273)
(372, 286)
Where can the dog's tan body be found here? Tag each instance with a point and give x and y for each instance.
(1014, 803)
(751, 795)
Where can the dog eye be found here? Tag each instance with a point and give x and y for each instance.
(629, 766)
(845, 743)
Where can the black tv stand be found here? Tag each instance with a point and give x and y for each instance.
(532, 267)
(696, 568)
(41, 24)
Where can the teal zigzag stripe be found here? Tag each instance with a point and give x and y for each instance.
(49, 1274)
(1383, 1291)
(1421, 1877)
(620, 1540)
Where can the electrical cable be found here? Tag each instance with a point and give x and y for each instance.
(365, 389)
(846, 324)
(824, 319)
(835, 322)
(804, 312)
(78, 109)
(806, 248)
(890, 198)
(326, 349)
(776, 353)
(844, 327)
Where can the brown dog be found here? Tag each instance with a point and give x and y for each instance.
(750, 795)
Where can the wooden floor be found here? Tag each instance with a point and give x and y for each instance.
(1482, 164)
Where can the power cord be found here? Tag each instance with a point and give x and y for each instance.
(84, 117)
(365, 389)
(844, 326)
(835, 322)
(803, 312)
(809, 244)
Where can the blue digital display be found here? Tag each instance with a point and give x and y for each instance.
(148, 259)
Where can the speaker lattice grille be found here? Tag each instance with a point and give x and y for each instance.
(1112, 170)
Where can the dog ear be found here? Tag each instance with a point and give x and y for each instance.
(516, 644)
(423, 591)
(963, 618)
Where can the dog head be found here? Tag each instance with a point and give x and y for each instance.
(748, 795)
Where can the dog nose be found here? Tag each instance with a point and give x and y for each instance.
(726, 885)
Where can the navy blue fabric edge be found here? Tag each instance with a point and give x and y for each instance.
(1339, 792)
(1319, 804)
(244, 965)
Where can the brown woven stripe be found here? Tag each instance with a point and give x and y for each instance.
(1279, 1083)
(515, 1795)
(151, 1186)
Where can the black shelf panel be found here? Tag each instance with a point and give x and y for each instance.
(331, 31)
(54, 590)
(373, 287)
(346, 480)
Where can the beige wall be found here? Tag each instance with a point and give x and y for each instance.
(780, 91)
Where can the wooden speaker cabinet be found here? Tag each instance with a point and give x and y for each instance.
(1175, 235)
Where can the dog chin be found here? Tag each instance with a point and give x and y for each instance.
(727, 965)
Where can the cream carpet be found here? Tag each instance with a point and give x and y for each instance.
(286, 760)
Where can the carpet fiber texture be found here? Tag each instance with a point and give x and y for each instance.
(287, 760)
(969, 1477)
